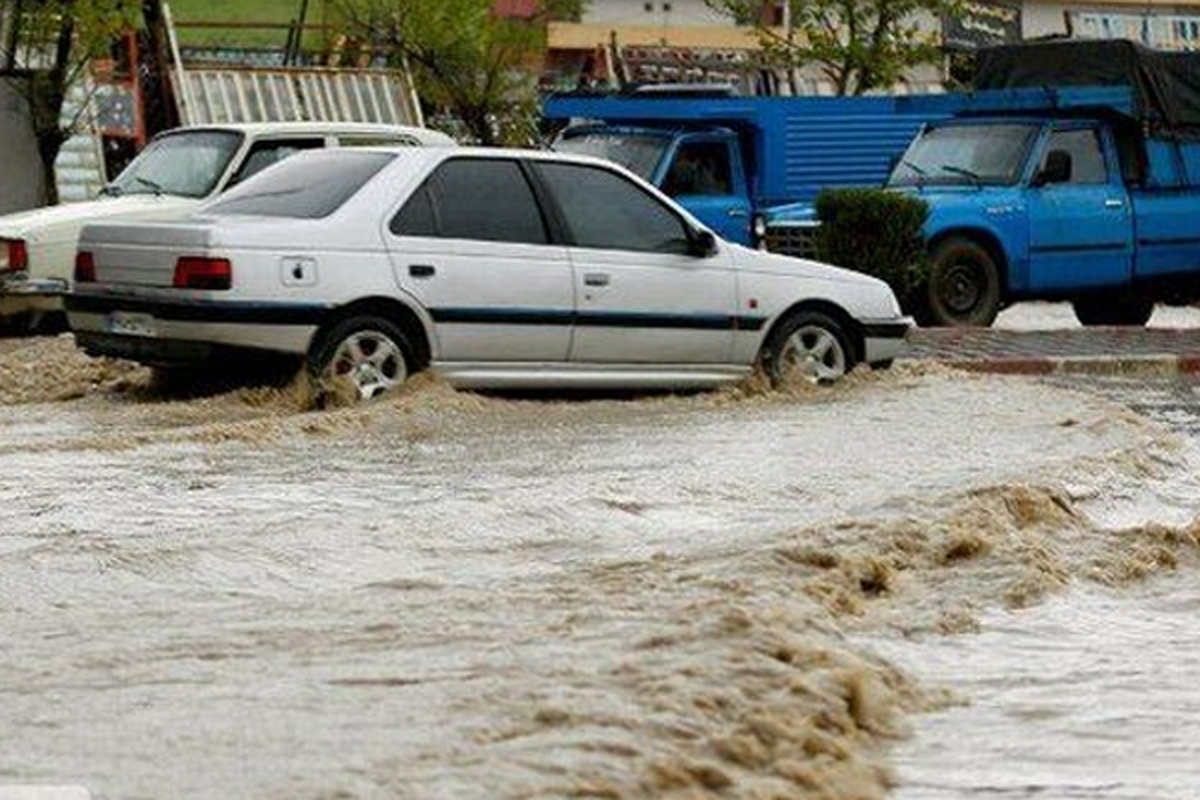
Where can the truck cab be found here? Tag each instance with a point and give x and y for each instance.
(700, 167)
(1020, 207)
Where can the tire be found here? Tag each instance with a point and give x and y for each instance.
(1112, 309)
(359, 358)
(963, 289)
(808, 346)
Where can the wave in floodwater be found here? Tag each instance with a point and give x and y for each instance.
(446, 594)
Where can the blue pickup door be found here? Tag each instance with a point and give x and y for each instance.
(704, 174)
(1080, 220)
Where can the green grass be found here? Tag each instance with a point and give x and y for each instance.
(187, 13)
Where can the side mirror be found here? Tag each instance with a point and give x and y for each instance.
(701, 243)
(1057, 169)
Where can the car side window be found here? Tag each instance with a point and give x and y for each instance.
(488, 199)
(376, 140)
(265, 153)
(605, 210)
(1086, 156)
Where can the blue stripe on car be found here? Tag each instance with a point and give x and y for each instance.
(312, 314)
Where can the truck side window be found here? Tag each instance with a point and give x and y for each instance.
(699, 168)
(1086, 154)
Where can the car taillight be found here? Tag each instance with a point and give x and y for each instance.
(13, 255)
(85, 267)
(192, 272)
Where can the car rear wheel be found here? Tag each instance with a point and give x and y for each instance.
(808, 346)
(360, 358)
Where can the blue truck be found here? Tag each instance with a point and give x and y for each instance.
(747, 166)
(1071, 172)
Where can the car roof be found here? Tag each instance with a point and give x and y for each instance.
(319, 128)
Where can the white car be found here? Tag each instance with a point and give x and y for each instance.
(171, 177)
(494, 268)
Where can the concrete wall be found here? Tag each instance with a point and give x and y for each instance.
(661, 13)
(20, 172)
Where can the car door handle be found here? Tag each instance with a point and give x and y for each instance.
(738, 212)
(595, 279)
(421, 270)
(1114, 203)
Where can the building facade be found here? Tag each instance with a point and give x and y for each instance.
(686, 40)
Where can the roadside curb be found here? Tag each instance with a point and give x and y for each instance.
(1151, 365)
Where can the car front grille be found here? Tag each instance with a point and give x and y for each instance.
(792, 240)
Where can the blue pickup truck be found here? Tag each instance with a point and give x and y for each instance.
(1086, 190)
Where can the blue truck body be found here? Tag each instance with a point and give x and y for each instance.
(779, 150)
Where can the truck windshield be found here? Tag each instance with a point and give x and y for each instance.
(188, 164)
(987, 153)
(637, 152)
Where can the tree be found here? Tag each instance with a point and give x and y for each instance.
(859, 45)
(479, 66)
(54, 41)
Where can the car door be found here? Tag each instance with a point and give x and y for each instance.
(705, 176)
(1080, 225)
(472, 246)
(642, 297)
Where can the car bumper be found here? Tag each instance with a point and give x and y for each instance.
(21, 295)
(165, 332)
(885, 340)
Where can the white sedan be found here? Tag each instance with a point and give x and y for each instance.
(494, 268)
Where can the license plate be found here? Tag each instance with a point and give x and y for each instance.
(129, 324)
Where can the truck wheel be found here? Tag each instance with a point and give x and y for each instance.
(963, 287)
(1111, 309)
(807, 346)
(360, 358)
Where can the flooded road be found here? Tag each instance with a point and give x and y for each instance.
(443, 595)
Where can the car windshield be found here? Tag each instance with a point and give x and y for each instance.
(187, 164)
(637, 152)
(965, 154)
(305, 186)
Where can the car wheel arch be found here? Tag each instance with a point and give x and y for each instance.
(395, 311)
(849, 324)
(986, 239)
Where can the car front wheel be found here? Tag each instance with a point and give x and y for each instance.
(360, 358)
(808, 346)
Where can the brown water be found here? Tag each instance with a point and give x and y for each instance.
(446, 595)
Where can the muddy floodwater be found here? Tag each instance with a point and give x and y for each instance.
(892, 587)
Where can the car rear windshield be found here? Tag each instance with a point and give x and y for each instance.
(306, 186)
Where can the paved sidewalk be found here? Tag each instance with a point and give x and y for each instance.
(1044, 352)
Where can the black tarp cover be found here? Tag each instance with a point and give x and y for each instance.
(1166, 86)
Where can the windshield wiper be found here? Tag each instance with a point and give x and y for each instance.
(154, 187)
(966, 173)
(915, 168)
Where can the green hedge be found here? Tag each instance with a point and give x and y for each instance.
(877, 232)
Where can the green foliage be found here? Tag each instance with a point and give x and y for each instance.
(479, 67)
(57, 39)
(876, 232)
(859, 45)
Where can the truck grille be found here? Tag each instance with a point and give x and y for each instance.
(792, 240)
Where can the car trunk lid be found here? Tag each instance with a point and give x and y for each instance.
(143, 254)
